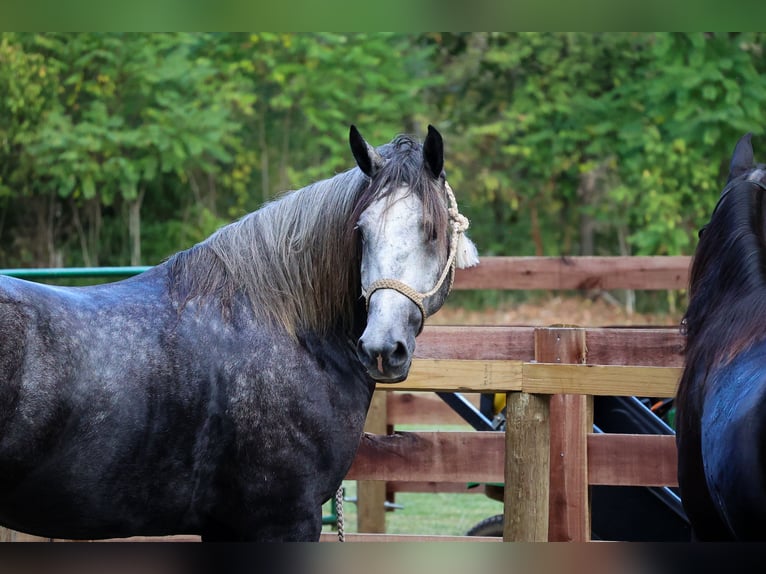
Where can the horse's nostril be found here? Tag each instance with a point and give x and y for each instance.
(399, 354)
(362, 352)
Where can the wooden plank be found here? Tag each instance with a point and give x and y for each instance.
(571, 419)
(423, 409)
(632, 460)
(600, 379)
(352, 537)
(544, 378)
(639, 346)
(459, 376)
(476, 342)
(395, 486)
(527, 459)
(555, 273)
(649, 346)
(430, 456)
(171, 538)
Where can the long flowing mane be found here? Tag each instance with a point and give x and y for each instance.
(297, 258)
(727, 287)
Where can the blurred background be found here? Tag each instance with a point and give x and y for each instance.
(121, 149)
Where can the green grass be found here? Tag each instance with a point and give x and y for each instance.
(448, 514)
(425, 513)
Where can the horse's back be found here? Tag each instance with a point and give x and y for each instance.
(733, 443)
(79, 373)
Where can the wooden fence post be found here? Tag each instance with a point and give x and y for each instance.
(371, 494)
(527, 454)
(571, 419)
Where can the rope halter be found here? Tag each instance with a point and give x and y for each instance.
(459, 224)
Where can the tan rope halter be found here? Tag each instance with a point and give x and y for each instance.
(459, 224)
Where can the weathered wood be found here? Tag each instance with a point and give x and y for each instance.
(430, 456)
(394, 486)
(468, 342)
(648, 346)
(637, 346)
(459, 376)
(371, 495)
(424, 409)
(632, 460)
(613, 459)
(616, 380)
(171, 538)
(527, 464)
(571, 419)
(556, 273)
(352, 537)
(543, 378)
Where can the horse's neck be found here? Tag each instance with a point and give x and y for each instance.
(295, 259)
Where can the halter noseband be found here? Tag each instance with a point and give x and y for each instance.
(459, 224)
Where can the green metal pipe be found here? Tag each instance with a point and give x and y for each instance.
(73, 272)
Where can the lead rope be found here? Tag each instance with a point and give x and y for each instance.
(459, 224)
(339, 512)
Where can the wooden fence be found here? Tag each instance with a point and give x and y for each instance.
(548, 456)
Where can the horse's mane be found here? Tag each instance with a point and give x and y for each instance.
(727, 285)
(297, 258)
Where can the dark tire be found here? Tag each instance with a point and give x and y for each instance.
(492, 526)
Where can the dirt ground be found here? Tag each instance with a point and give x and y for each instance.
(551, 311)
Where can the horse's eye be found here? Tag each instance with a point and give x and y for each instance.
(434, 235)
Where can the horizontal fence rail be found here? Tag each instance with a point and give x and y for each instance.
(507, 273)
(558, 273)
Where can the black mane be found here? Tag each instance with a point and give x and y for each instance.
(727, 287)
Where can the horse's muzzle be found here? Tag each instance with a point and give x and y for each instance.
(386, 362)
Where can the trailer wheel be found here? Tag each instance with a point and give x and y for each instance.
(492, 526)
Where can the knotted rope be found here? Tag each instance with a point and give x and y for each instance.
(339, 512)
(459, 224)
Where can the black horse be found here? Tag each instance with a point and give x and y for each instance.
(223, 392)
(721, 401)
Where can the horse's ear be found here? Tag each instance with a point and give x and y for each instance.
(368, 160)
(742, 158)
(433, 152)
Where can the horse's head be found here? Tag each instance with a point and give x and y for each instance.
(412, 239)
(737, 224)
(727, 287)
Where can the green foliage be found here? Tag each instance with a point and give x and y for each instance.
(557, 143)
(623, 136)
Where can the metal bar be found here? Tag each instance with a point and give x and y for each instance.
(465, 409)
(74, 272)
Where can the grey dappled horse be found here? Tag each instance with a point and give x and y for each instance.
(224, 392)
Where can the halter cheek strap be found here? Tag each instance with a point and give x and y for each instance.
(459, 224)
